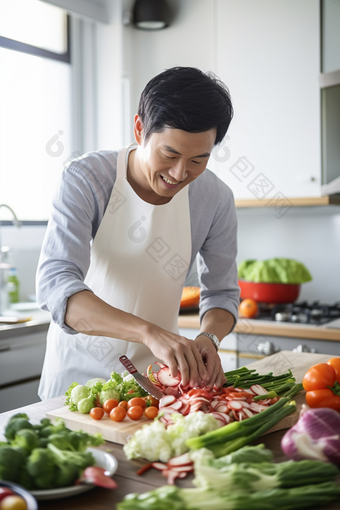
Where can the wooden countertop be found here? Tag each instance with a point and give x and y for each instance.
(127, 479)
(258, 327)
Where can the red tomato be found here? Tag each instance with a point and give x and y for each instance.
(335, 364)
(151, 412)
(123, 403)
(153, 401)
(4, 492)
(110, 404)
(318, 377)
(118, 413)
(323, 398)
(97, 413)
(137, 401)
(135, 412)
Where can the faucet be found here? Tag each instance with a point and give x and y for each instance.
(3, 266)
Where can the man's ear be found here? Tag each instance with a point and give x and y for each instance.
(138, 129)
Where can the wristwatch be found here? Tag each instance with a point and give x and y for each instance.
(212, 337)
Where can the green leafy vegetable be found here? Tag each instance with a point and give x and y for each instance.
(172, 497)
(11, 462)
(276, 270)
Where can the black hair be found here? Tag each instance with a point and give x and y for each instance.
(185, 98)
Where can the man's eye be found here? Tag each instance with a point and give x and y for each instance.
(197, 162)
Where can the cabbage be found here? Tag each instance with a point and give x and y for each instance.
(155, 442)
(93, 382)
(107, 394)
(78, 393)
(277, 270)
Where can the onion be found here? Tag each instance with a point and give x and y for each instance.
(315, 436)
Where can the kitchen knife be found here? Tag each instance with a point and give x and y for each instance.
(140, 379)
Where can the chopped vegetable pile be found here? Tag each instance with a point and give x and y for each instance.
(277, 270)
(96, 391)
(44, 456)
(244, 479)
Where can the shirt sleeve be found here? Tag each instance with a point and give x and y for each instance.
(78, 207)
(216, 260)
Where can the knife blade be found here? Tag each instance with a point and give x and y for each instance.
(140, 379)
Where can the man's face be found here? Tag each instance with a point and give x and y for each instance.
(170, 160)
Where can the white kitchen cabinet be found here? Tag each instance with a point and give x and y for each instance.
(268, 53)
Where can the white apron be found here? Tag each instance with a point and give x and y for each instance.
(139, 260)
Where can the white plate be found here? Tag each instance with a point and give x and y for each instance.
(102, 459)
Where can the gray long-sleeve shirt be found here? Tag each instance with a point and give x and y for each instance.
(78, 208)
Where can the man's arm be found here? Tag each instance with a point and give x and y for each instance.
(218, 322)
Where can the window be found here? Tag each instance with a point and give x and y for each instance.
(35, 105)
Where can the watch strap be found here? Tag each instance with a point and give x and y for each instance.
(212, 337)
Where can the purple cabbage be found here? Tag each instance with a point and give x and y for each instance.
(316, 436)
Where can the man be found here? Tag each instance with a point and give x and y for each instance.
(125, 231)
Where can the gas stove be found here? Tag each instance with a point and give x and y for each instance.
(314, 313)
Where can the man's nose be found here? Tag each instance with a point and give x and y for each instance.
(178, 171)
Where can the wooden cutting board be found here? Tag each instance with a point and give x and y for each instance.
(278, 363)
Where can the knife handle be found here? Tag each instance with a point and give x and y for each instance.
(128, 364)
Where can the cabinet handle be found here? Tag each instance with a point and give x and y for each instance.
(3, 349)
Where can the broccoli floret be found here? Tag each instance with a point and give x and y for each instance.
(26, 439)
(61, 441)
(26, 480)
(50, 429)
(41, 467)
(11, 462)
(14, 425)
(79, 459)
(66, 474)
(43, 442)
(18, 415)
(80, 440)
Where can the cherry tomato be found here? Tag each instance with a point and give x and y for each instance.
(13, 503)
(137, 401)
(135, 412)
(123, 403)
(118, 413)
(335, 364)
(151, 412)
(4, 492)
(97, 413)
(153, 401)
(318, 377)
(110, 404)
(323, 398)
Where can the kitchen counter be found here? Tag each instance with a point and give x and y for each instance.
(258, 327)
(127, 479)
(39, 322)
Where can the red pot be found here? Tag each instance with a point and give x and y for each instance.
(269, 292)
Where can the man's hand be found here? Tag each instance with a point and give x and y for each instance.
(180, 354)
(212, 361)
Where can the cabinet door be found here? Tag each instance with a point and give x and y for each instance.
(19, 395)
(268, 53)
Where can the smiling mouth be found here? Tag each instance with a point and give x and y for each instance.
(172, 183)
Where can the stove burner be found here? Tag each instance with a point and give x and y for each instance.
(304, 312)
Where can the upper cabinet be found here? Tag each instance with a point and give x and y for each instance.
(268, 53)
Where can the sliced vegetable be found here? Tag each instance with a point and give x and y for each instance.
(95, 475)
